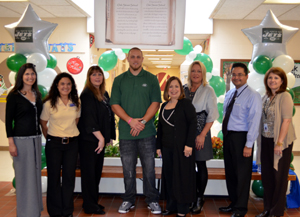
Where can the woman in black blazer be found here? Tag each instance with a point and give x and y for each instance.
(176, 136)
(97, 128)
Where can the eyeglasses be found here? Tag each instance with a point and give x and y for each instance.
(238, 75)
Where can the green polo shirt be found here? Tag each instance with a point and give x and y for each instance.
(135, 94)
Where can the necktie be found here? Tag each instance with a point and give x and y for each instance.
(227, 115)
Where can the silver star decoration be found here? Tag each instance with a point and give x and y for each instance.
(270, 36)
(31, 33)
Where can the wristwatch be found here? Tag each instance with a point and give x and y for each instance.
(143, 122)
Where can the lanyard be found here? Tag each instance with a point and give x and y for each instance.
(236, 96)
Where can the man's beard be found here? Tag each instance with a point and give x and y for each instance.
(135, 68)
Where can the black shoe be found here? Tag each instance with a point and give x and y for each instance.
(263, 214)
(101, 207)
(192, 205)
(167, 212)
(226, 209)
(98, 211)
(237, 215)
(199, 205)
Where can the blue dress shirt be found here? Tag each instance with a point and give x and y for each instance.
(246, 112)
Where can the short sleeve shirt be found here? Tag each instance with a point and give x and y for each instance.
(62, 119)
(135, 94)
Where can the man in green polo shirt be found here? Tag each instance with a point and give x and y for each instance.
(135, 98)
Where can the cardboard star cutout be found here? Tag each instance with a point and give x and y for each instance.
(270, 36)
(31, 33)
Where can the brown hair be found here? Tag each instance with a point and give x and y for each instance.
(203, 69)
(98, 94)
(277, 71)
(166, 95)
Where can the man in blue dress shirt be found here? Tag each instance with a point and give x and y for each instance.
(240, 129)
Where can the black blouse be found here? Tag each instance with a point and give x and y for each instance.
(25, 115)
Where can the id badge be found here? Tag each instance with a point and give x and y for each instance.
(266, 128)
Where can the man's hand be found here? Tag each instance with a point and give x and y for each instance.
(247, 152)
(136, 124)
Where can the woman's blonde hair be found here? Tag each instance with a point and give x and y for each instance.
(203, 69)
(98, 94)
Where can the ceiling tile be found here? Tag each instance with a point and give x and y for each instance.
(5, 12)
(291, 15)
(260, 12)
(65, 11)
(50, 2)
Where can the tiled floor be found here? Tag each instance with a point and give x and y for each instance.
(112, 202)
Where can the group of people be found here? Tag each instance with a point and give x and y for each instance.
(85, 124)
(71, 125)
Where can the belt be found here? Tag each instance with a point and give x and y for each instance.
(63, 140)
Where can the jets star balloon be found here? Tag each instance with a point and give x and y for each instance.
(269, 37)
(31, 33)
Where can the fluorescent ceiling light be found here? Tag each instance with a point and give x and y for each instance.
(282, 2)
(153, 58)
(161, 62)
(165, 50)
(158, 55)
(161, 66)
(166, 59)
(149, 50)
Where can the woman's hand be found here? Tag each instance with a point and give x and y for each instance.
(187, 151)
(100, 146)
(278, 150)
(200, 142)
(158, 152)
(12, 147)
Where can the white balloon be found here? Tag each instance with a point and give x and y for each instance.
(11, 78)
(106, 75)
(215, 72)
(291, 80)
(188, 58)
(255, 80)
(118, 51)
(285, 62)
(39, 60)
(192, 55)
(231, 85)
(217, 126)
(122, 56)
(250, 67)
(221, 99)
(9, 89)
(208, 76)
(46, 77)
(44, 184)
(37, 41)
(198, 48)
(261, 91)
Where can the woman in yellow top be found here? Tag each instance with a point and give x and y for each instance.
(275, 142)
(62, 110)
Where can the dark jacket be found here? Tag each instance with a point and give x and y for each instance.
(95, 117)
(185, 124)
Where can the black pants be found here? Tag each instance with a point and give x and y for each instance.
(91, 165)
(60, 194)
(172, 204)
(274, 181)
(238, 171)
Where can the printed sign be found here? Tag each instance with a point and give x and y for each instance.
(272, 35)
(23, 34)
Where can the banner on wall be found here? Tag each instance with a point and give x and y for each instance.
(147, 24)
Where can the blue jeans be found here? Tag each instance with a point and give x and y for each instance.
(129, 150)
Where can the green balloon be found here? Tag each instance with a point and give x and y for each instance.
(125, 50)
(206, 60)
(14, 182)
(292, 157)
(43, 91)
(108, 60)
(294, 110)
(15, 61)
(218, 84)
(258, 188)
(291, 92)
(52, 62)
(220, 134)
(186, 48)
(292, 167)
(43, 155)
(262, 64)
(220, 109)
(43, 165)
